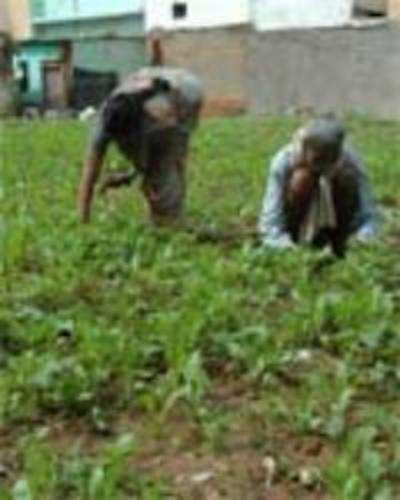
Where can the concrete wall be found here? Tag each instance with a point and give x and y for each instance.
(114, 44)
(20, 21)
(372, 6)
(340, 69)
(200, 13)
(129, 25)
(5, 22)
(345, 70)
(394, 9)
(278, 14)
(121, 56)
(218, 56)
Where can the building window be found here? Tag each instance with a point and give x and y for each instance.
(179, 10)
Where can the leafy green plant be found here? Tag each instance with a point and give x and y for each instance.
(118, 323)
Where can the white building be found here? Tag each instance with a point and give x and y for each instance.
(264, 15)
(292, 14)
(64, 10)
(195, 14)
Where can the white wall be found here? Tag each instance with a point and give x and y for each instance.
(20, 18)
(93, 7)
(282, 14)
(200, 13)
(4, 17)
(71, 9)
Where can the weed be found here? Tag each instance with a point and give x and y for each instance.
(117, 323)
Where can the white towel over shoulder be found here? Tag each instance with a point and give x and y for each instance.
(321, 214)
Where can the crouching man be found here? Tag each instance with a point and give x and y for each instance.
(150, 117)
(317, 192)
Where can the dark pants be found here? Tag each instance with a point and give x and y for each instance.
(345, 199)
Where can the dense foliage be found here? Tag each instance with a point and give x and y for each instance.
(124, 348)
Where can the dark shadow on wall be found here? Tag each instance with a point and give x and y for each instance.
(90, 88)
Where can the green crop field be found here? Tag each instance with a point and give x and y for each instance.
(149, 363)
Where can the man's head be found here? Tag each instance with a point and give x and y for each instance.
(322, 142)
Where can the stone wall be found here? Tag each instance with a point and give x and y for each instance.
(345, 70)
(394, 9)
(341, 69)
(218, 56)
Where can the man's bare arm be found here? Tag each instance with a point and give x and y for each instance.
(271, 222)
(367, 217)
(90, 174)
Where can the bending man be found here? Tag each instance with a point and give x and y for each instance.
(150, 117)
(318, 192)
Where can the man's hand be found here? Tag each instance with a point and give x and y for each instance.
(366, 234)
(280, 243)
(90, 174)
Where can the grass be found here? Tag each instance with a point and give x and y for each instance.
(144, 363)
